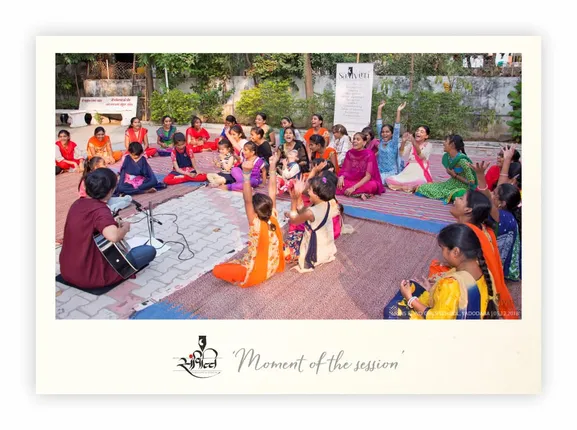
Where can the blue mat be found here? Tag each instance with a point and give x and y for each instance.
(163, 311)
(411, 223)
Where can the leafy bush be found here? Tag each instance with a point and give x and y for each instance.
(271, 97)
(515, 125)
(321, 103)
(178, 105)
(210, 103)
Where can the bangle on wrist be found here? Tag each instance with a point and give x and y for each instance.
(410, 301)
(504, 174)
(293, 214)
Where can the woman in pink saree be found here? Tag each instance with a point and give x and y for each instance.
(416, 172)
(359, 175)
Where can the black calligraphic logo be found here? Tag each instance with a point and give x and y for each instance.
(201, 363)
(350, 72)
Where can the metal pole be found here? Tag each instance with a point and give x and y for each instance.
(166, 78)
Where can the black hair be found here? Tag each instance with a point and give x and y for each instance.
(251, 146)
(426, 127)
(329, 165)
(98, 130)
(463, 237)
(66, 132)
(369, 130)
(516, 156)
(59, 170)
(258, 131)
(457, 140)
(511, 195)
(288, 118)
(263, 206)
(193, 120)
(230, 118)
(318, 139)
(480, 206)
(262, 115)
(238, 129)
(89, 166)
(320, 117)
(178, 137)
(331, 176)
(515, 172)
(132, 120)
(389, 126)
(292, 129)
(323, 187)
(100, 182)
(166, 116)
(226, 142)
(364, 136)
(135, 148)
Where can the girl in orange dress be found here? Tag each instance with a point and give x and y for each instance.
(319, 149)
(317, 128)
(99, 145)
(265, 250)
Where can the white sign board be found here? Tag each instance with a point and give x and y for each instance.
(353, 95)
(126, 106)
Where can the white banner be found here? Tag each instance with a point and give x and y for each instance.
(110, 105)
(353, 95)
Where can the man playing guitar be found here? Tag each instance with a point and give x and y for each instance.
(81, 261)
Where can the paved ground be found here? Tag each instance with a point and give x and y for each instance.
(214, 224)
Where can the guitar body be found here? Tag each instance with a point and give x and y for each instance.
(115, 254)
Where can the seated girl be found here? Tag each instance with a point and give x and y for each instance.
(458, 166)
(225, 163)
(474, 209)
(136, 133)
(68, 157)
(492, 175)
(416, 151)
(373, 142)
(291, 172)
(389, 149)
(285, 123)
(263, 148)
(359, 176)
(506, 212)
(114, 203)
(183, 163)
(136, 176)
(237, 137)
(257, 163)
(265, 250)
(317, 245)
(229, 122)
(464, 292)
(318, 149)
(99, 145)
(164, 136)
(290, 143)
(341, 142)
(197, 136)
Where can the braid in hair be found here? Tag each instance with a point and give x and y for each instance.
(491, 312)
(517, 214)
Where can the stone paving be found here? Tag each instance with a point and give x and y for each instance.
(215, 226)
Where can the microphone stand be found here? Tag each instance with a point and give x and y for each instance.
(153, 240)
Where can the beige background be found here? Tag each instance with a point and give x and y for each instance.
(439, 357)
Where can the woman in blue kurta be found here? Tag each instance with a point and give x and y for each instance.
(136, 175)
(389, 156)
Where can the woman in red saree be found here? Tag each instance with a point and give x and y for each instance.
(359, 174)
(67, 155)
(136, 133)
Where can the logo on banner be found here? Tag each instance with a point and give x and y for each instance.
(202, 363)
(352, 74)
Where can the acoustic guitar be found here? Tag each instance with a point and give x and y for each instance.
(115, 254)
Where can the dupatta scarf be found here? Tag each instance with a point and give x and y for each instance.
(357, 163)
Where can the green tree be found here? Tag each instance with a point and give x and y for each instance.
(515, 125)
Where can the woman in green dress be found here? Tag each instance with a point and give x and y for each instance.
(459, 167)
